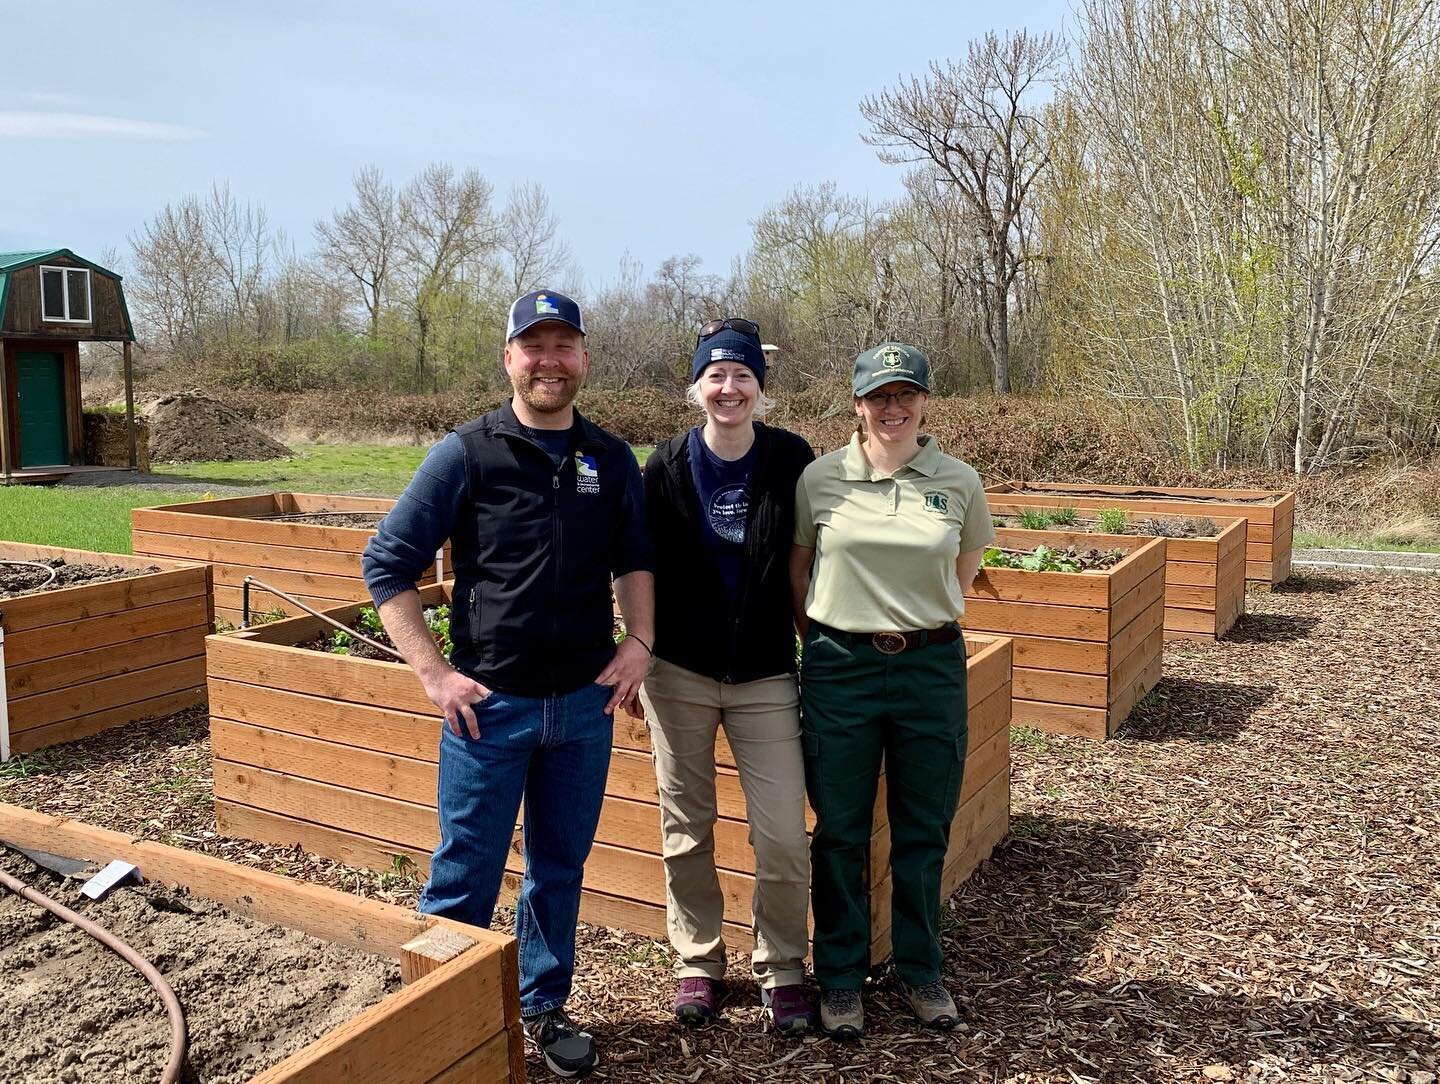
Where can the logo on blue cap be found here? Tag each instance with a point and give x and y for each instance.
(545, 307)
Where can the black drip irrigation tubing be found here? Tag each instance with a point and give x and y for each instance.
(179, 1039)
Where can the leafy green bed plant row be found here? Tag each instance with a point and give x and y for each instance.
(1047, 559)
(339, 642)
(1109, 521)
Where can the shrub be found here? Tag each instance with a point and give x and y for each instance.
(1064, 517)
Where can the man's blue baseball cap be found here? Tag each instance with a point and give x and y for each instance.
(539, 306)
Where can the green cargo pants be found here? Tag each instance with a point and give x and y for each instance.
(858, 708)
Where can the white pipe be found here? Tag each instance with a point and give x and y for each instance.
(4, 705)
(440, 565)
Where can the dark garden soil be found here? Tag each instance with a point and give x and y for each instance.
(26, 579)
(1242, 886)
(366, 521)
(253, 994)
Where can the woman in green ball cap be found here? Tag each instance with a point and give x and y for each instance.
(889, 532)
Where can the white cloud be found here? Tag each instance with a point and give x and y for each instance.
(17, 124)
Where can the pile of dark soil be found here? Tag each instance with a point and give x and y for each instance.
(253, 994)
(26, 579)
(191, 428)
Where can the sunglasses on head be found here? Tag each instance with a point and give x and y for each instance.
(734, 323)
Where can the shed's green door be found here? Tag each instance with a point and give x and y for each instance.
(44, 436)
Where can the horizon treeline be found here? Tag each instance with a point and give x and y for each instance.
(1224, 213)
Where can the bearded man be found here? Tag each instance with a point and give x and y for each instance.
(543, 510)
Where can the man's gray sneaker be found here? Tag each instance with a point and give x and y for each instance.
(842, 1016)
(932, 1005)
(568, 1050)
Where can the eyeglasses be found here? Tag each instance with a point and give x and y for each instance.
(734, 323)
(881, 399)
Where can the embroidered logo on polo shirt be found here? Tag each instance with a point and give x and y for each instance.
(587, 473)
(936, 502)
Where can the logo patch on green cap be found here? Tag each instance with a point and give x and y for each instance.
(891, 357)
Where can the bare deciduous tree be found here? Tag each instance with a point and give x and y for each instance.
(976, 123)
(362, 241)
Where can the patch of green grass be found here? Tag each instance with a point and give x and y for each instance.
(1310, 540)
(369, 469)
(49, 761)
(98, 517)
(1027, 737)
(81, 517)
(1033, 519)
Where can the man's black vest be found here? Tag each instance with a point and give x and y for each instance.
(534, 556)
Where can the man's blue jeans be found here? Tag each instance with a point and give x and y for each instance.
(555, 752)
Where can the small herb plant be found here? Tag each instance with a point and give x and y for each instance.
(1112, 520)
(1033, 519)
(1064, 517)
(342, 642)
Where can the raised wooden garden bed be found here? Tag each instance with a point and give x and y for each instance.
(457, 1018)
(239, 536)
(1269, 514)
(81, 659)
(1087, 645)
(338, 754)
(1204, 577)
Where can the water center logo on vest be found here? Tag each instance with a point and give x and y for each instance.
(936, 502)
(587, 473)
(545, 307)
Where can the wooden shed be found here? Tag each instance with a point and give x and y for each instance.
(51, 302)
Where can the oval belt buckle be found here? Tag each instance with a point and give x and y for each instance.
(888, 643)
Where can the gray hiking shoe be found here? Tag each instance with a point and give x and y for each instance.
(842, 1016)
(932, 1005)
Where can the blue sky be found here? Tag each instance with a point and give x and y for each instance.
(656, 130)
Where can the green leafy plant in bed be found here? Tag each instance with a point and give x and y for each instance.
(1111, 520)
(1033, 519)
(1048, 559)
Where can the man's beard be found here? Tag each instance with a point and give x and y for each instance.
(546, 398)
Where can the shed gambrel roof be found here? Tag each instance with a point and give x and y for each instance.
(14, 261)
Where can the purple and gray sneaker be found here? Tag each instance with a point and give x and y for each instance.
(789, 1008)
(698, 1000)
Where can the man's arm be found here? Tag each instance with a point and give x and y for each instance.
(635, 591)
(448, 689)
(801, 560)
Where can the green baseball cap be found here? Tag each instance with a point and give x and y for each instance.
(888, 362)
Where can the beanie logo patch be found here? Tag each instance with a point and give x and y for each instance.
(724, 353)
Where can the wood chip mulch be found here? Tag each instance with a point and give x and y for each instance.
(1244, 885)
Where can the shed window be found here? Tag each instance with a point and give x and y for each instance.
(65, 294)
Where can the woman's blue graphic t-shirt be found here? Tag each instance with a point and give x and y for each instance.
(723, 487)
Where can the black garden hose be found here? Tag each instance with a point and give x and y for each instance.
(179, 1040)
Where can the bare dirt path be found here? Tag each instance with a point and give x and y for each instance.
(1245, 885)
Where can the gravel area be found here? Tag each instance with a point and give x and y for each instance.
(1387, 559)
(1244, 885)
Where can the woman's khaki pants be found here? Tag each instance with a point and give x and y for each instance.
(762, 724)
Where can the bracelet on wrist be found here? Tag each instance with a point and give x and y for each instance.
(648, 649)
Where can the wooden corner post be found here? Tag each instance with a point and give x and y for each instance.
(4, 416)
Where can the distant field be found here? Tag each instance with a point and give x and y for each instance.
(98, 517)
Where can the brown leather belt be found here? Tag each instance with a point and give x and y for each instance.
(892, 643)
